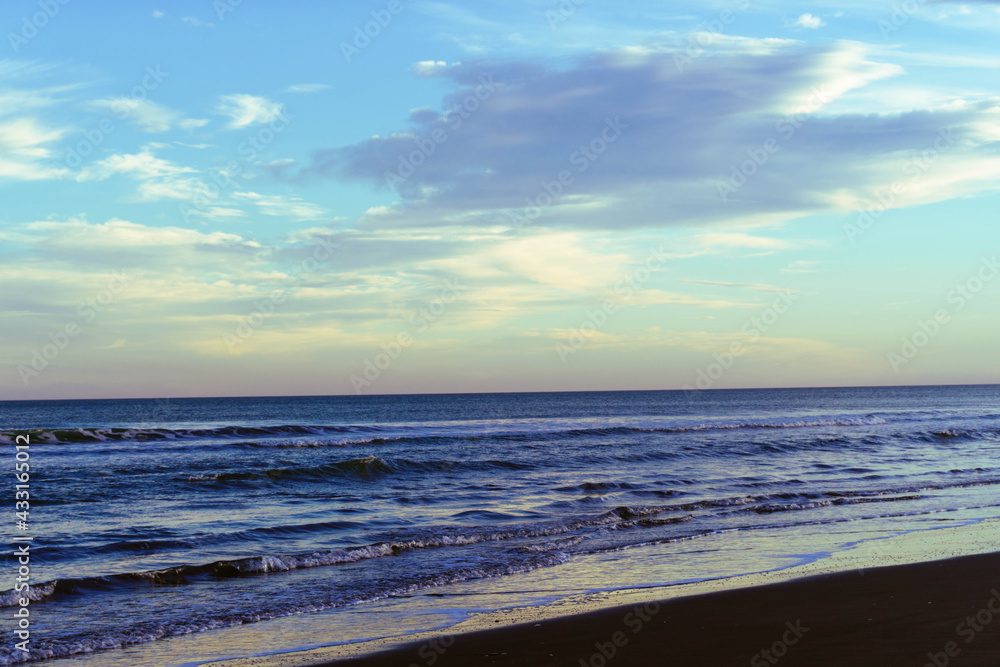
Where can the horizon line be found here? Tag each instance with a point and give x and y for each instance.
(496, 393)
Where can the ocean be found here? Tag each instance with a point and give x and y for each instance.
(163, 531)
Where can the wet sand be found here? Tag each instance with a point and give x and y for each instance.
(904, 600)
(938, 613)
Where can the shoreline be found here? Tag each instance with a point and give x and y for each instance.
(924, 558)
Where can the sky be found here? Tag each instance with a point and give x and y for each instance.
(227, 198)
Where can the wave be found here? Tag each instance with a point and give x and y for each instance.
(584, 496)
(868, 420)
(598, 486)
(151, 630)
(257, 565)
(271, 436)
(115, 434)
(769, 509)
(616, 519)
(535, 557)
(946, 436)
(243, 567)
(264, 533)
(548, 552)
(360, 468)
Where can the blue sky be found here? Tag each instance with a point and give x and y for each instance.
(227, 198)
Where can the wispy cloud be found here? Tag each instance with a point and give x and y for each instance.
(308, 88)
(246, 110)
(25, 149)
(117, 233)
(158, 178)
(142, 165)
(429, 68)
(282, 205)
(802, 266)
(719, 240)
(757, 287)
(192, 123)
(147, 115)
(809, 21)
(196, 22)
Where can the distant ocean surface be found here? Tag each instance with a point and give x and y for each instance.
(155, 519)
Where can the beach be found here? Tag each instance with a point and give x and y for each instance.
(936, 612)
(905, 615)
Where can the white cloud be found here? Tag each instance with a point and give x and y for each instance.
(26, 137)
(20, 101)
(197, 23)
(549, 259)
(284, 206)
(429, 68)
(650, 296)
(117, 233)
(184, 189)
(141, 165)
(148, 116)
(24, 144)
(717, 240)
(21, 171)
(810, 21)
(217, 212)
(158, 178)
(308, 88)
(245, 110)
(25, 141)
(157, 14)
(802, 266)
(757, 287)
(193, 123)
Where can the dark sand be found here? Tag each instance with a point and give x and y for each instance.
(902, 615)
